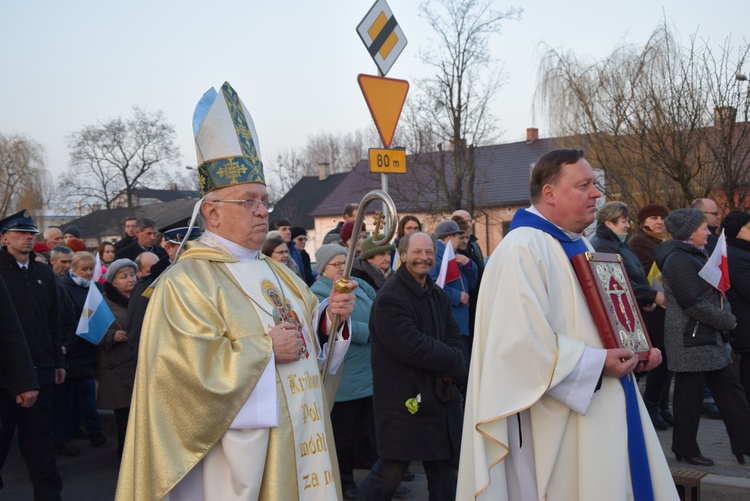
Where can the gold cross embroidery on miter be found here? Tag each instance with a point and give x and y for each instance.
(231, 170)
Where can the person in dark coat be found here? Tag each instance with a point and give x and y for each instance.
(34, 298)
(468, 245)
(416, 360)
(85, 354)
(16, 367)
(299, 240)
(697, 325)
(611, 231)
(62, 426)
(116, 362)
(650, 233)
(130, 235)
(174, 234)
(736, 226)
(144, 241)
(17, 376)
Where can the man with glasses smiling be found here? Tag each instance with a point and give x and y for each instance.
(711, 211)
(228, 398)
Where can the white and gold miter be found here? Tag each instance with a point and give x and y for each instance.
(225, 141)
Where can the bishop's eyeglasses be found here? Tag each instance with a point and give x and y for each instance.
(250, 204)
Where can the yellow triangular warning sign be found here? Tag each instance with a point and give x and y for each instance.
(385, 97)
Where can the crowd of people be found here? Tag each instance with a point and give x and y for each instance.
(494, 378)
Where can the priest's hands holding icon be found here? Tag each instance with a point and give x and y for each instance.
(621, 361)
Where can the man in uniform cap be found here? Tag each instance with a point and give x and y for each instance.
(173, 235)
(32, 287)
(228, 400)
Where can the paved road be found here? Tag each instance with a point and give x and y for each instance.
(93, 475)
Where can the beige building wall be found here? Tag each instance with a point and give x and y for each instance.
(489, 226)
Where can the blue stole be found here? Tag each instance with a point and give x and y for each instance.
(640, 474)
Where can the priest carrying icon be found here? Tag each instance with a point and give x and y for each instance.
(551, 414)
(228, 401)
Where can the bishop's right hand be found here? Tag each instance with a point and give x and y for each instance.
(287, 343)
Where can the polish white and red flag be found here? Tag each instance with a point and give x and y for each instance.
(448, 268)
(716, 270)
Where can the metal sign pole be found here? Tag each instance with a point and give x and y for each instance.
(384, 180)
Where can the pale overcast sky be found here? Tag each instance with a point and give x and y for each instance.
(67, 64)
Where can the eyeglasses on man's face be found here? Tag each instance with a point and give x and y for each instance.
(338, 264)
(250, 204)
(301, 239)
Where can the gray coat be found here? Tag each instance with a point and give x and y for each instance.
(696, 324)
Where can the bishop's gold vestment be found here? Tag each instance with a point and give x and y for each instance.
(203, 349)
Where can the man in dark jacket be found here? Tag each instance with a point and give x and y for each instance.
(32, 288)
(130, 234)
(416, 359)
(144, 241)
(17, 376)
(62, 426)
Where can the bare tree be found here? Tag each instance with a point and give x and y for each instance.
(647, 115)
(117, 156)
(453, 106)
(341, 152)
(24, 180)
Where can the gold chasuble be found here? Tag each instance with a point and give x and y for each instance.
(203, 349)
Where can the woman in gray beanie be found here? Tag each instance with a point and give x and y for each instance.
(353, 409)
(697, 326)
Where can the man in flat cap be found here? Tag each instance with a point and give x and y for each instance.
(228, 400)
(32, 287)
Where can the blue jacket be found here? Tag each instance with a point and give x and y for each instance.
(454, 289)
(356, 380)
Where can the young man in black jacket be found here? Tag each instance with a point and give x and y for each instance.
(34, 294)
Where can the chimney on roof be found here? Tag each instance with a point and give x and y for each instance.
(532, 134)
(324, 171)
(724, 116)
(172, 186)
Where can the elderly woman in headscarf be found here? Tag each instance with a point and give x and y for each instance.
(373, 265)
(116, 361)
(698, 321)
(736, 226)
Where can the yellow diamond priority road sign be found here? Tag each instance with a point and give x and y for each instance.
(387, 161)
(382, 36)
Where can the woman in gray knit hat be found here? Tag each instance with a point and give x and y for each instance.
(698, 321)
